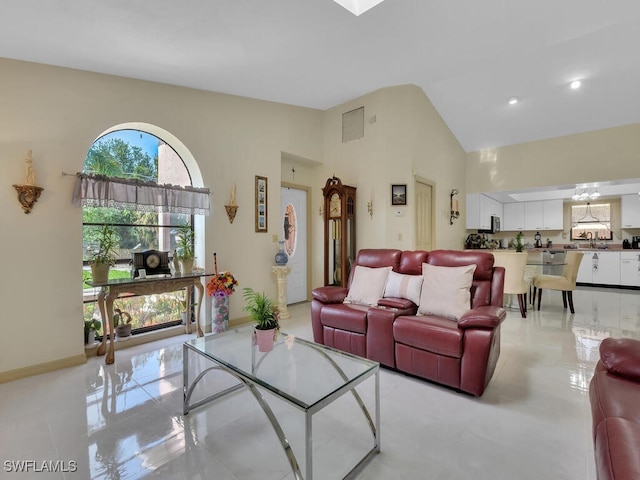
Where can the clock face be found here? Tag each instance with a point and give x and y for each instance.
(153, 261)
(335, 207)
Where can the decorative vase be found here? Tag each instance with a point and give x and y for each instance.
(91, 337)
(219, 312)
(281, 257)
(100, 272)
(265, 339)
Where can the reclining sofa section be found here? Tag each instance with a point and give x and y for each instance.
(461, 354)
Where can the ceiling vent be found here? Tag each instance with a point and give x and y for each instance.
(353, 125)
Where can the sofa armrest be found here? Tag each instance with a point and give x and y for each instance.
(399, 303)
(488, 316)
(621, 356)
(329, 294)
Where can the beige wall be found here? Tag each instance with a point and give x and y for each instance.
(58, 113)
(610, 154)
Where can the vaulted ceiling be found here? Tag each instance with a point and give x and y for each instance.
(468, 56)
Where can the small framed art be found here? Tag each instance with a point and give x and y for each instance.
(261, 204)
(399, 194)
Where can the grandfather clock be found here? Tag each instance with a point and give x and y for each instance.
(339, 231)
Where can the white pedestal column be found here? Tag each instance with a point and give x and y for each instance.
(281, 272)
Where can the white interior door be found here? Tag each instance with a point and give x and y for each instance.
(424, 218)
(294, 225)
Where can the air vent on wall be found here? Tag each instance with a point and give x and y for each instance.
(353, 125)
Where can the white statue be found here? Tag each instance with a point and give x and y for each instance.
(30, 169)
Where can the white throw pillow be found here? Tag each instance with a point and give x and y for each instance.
(404, 286)
(367, 285)
(446, 291)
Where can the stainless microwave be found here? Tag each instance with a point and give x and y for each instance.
(495, 225)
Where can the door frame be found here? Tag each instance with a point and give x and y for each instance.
(432, 184)
(307, 189)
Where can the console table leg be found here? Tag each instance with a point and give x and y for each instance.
(200, 288)
(102, 348)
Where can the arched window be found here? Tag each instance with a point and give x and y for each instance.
(135, 155)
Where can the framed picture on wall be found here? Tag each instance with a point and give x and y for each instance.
(261, 204)
(399, 194)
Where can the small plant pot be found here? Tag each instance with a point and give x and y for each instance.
(90, 339)
(265, 339)
(186, 266)
(123, 331)
(100, 272)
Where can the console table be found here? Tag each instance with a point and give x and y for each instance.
(112, 289)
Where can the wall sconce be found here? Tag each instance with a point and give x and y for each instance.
(320, 211)
(232, 208)
(455, 212)
(29, 192)
(370, 208)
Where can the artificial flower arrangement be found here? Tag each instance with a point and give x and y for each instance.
(222, 283)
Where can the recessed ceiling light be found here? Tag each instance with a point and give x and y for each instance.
(358, 7)
(513, 100)
(576, 84)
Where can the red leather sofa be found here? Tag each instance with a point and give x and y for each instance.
(460, 354)
(614, 394)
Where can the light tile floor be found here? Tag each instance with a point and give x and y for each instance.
(124, 421)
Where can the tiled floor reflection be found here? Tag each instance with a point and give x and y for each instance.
(124, 421)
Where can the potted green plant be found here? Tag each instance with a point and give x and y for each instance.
(122, 323)
(104, 255)
(91, 327)
(266, 316)
(185, 239)
(519, 245)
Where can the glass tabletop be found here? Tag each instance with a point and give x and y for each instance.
(303, 372)
(147, 279)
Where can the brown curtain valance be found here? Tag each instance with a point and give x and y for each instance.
(138, 195)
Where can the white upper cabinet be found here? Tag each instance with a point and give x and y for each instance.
(513, 218)
(543, 215)
(480, 209)
(630, 211)
(553, 214)
(533, 216)
(473, 211)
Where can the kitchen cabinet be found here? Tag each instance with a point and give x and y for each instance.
(630, 269)
(513, 217)
(472, 208)
(553, 215)
(480, 209)
(630, 211)
(544, 215)
(533, 216)
(600, 268)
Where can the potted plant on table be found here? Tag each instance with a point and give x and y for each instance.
(104, 255)
(91, 327)
(264, 312)
(185, 239)
(122, 324)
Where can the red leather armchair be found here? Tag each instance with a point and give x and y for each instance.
(614, 394)
(460, 354)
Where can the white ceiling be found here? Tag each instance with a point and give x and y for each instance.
(468, 56)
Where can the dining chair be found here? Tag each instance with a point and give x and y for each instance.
(566, 282)
(514, 264)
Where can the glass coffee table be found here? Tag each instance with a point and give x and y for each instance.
(306, 375)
